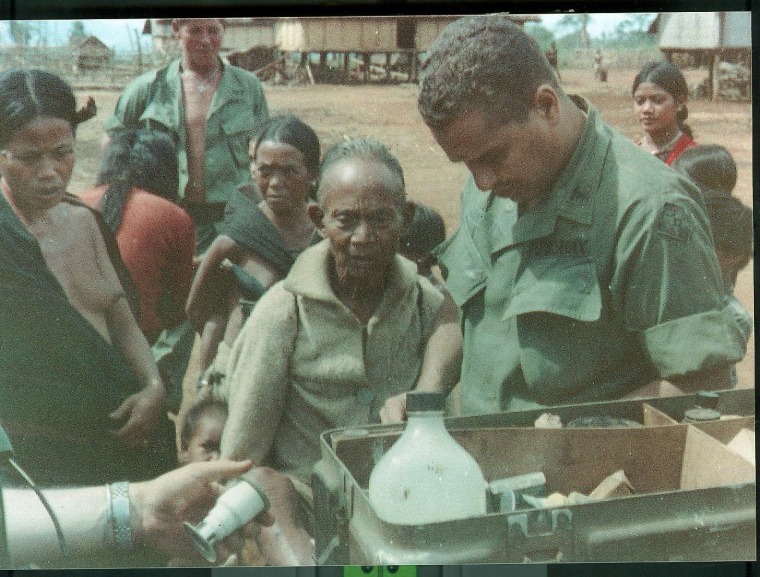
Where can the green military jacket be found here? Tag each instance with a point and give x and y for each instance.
(237, 110)
(611, 281)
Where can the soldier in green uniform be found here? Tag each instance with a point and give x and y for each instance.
(583, 269)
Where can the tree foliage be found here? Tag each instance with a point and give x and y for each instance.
(20, 32)
(576, 24)
(77, 32)
(541, 33)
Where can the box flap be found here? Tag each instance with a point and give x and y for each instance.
(709, 463)
(654, 417)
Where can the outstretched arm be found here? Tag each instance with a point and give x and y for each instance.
(157, 510)
(441, 365)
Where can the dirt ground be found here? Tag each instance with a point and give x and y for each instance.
(389, 114)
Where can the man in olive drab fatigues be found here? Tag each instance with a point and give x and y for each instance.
(583, 269)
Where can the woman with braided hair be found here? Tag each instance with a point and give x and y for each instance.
(80, 394)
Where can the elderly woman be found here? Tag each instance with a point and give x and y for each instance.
(80, 394)
(351, 326)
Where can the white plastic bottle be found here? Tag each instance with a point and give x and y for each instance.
(426, 476)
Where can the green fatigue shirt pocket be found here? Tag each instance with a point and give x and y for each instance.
(237, 132)
(695, 342)
(555, 308)
(562, 287)
(158, 116)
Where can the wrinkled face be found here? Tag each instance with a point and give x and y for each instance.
(362, 218)
(281, 174)
(201, 40)
(655, 109)
(204, 444)
(36, 163)
(513, 160)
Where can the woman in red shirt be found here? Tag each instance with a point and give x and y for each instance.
(659, 101)
(136, 192)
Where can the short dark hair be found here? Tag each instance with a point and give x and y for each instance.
(142, 158)
(485, 62)
(368, 149)
(426, 232)
(26, 94)
(205, 406)
(731, 224)
(667, 76)
(709, 166)
(183, 21)
(289, 129)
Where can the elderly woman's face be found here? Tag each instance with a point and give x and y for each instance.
(37, 162)
(363, 219)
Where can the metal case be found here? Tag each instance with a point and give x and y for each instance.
(695, 498)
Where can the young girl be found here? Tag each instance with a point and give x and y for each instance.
(201, 431)
(713, 170)
(659, 101)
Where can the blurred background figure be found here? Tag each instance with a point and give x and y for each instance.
(552, 55)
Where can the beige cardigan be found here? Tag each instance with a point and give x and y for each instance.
(303, 363)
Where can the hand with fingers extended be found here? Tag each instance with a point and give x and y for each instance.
(141, 414)
(162, 505)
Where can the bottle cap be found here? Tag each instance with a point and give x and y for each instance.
(416, 402)
(708, 399)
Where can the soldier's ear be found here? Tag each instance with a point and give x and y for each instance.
(546, 102)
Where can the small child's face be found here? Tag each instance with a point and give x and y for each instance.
(204, 444)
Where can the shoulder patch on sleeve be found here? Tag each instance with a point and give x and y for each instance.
(674, 221)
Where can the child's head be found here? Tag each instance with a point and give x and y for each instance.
(709, 166)
(425, 233)
(732, 230)
(202, 431)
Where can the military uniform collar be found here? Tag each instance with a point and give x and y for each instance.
(310, 277)
(573, 194)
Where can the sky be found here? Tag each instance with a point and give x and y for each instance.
(120, 35)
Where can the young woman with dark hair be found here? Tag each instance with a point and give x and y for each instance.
(266, 226)
(80, 394)
(660, 93)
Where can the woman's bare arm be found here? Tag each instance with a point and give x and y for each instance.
(441, 364)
